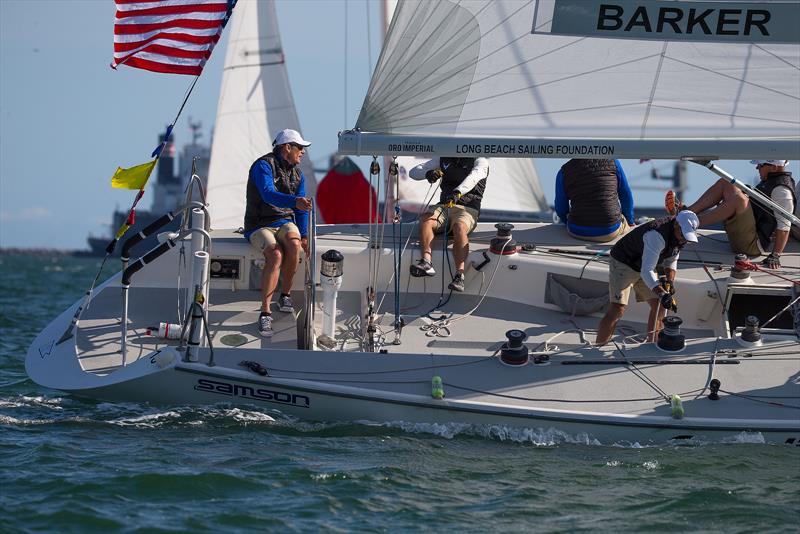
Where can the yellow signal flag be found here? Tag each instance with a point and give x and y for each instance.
(133, 178)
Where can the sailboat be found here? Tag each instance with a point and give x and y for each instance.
(369, 343)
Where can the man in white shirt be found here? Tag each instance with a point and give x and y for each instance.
(463, 184)
(751, 229)
(634, 259)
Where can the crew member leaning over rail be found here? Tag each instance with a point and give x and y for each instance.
(751, 229)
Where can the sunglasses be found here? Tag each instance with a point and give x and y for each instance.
(297, 146)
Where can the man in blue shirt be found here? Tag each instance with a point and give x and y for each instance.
(276, 219)
(594, 199)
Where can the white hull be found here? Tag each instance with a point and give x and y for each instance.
(605, 394)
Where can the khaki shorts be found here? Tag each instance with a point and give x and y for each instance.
(623, 229)
(742, 236)
(620, 280)
(468, 216)
(266, 238)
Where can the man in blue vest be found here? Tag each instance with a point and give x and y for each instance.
(633, 263)
(276, 219)
(463, 184)
(593, 199)
(751, 229)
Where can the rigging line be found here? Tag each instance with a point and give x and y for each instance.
(656, 77)
(734, 78)
(531, 399)
(709, 112)
(637, 372)
(782, 60)
(369, 42)
(780, 312)
(705, 268)
(412, 95)
(344, 108)
(445, 323)
(422, 212)
(753, 399)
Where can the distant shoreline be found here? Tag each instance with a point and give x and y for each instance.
(20, 251)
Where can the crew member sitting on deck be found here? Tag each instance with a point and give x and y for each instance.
(633, 264)
(751, 229)
(463, 183)
(594, 199)
(276, 219)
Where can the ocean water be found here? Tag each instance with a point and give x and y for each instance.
(72, 465)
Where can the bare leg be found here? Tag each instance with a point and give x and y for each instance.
(291, 256)
(726, 199)
(609, 321)
(654, 324)
(426, 236)
(269, 276)
(460, 245)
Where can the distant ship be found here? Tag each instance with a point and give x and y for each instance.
(168, 193)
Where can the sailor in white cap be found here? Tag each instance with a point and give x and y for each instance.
(751, 229)
(633, 263)
(276, 219)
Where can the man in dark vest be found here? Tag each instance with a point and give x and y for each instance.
(633, 263)
(593, 199)
(751, 229)
(276, 219)
(463, 184)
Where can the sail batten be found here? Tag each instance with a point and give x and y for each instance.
(477, 70)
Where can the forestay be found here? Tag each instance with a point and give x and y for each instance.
(586, 78)
(255, 102)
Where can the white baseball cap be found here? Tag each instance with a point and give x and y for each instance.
(777, 162)
(689, 223)
(289, 136)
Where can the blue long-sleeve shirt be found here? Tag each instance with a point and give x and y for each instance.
(625, 200)
(261, 175)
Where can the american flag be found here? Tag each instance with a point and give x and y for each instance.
(172, 36)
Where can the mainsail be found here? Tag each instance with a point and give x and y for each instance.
(255, 102)
(586, 78)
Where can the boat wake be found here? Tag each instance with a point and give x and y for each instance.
(26, 410)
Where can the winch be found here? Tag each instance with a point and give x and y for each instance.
(514, 351)
(670, 338)
(503, 243)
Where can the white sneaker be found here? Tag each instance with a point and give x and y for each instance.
(265, 325)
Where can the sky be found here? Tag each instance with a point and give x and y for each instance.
(67, 120)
